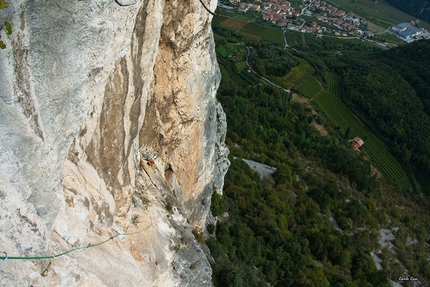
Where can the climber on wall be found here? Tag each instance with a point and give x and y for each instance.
(150, 161)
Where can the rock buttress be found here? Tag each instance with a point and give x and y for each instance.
(87, 87)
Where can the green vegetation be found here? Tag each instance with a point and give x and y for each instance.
(378, 12)
(389, 38)
(241, 25)
(233, 24)
(7, 26)
(283, 235)
(340, 115)
(316, 220)
(3, 4)
(273, 35)
(253, 31)
(222, 51)
(414, 8)
(300, 72)
(298, 39)
(8, 29)
(270, 59)
(295, 76)
(228, 72)
(216, 21)
(308, 42)
(198, 235)
(310, 87)
(391, 92)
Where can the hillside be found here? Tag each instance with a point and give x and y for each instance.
(390, 89)
(417, 8)
(329, 215)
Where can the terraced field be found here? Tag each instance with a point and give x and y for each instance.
(249, 77)
(340, 115)
(296, 75)
(240, 66)
(286, 84)
(300, 72)
(310, 87)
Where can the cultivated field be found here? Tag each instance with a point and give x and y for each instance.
(273, 35)
(310, 87)
(295, 76)
(283, 82)
(231, 72)
(340, 115)
(300, 72)
(221, 50)
(249, 77)
(216, 21)
(254, 29)
(249, 30)
(240, 66)
(233, 24)
(295, 38)
(234, 14)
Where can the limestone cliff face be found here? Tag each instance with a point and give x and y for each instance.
(87, 88)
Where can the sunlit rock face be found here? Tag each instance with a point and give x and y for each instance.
(87, 88)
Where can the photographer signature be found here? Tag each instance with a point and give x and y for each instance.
(408, 278)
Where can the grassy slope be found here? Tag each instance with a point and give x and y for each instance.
(380, 14)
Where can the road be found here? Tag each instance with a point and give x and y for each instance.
(255, 73)
(285, 41)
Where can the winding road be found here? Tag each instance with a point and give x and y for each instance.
(257, 74)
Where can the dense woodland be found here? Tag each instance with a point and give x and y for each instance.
(316, 221)
(391, 90)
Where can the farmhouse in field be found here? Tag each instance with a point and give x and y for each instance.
(356, 143)
(406, 31)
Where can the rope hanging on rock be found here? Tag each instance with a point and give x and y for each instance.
(7, 257)
(207, 9)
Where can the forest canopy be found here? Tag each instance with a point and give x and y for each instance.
(391, 90)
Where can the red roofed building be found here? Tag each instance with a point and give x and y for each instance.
(356, 143)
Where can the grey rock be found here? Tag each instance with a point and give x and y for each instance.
(87, 85)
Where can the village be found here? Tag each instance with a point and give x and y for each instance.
(281, 13)
(329, 20)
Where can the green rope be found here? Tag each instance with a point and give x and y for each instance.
(6, 257)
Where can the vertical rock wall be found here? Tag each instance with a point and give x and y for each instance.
(86, 87)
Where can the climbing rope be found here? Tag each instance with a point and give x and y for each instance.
(7, 257)
(207, 9)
